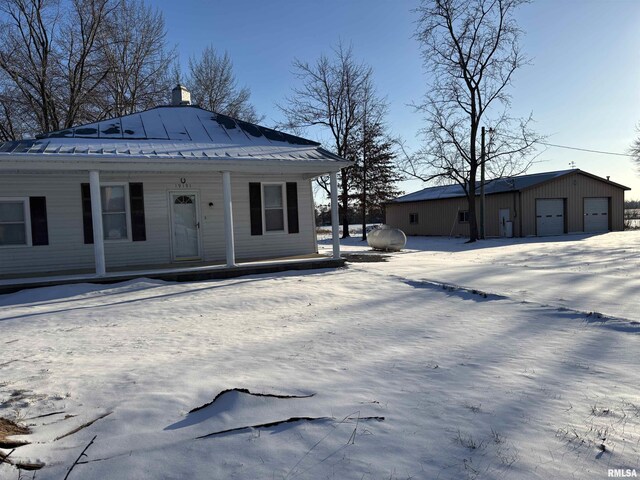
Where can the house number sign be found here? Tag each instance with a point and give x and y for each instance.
(183, 183)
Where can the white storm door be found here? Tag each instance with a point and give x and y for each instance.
(596, 214)
(185, 226)
(503, 218)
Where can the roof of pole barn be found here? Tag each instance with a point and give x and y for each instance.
(176, 132)
(498, 185)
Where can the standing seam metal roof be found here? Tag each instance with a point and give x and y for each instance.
(499, 185)
(174, 132)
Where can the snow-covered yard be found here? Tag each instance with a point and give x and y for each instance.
(524, 366)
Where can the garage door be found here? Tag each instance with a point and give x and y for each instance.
(549, 216)
(596, 214)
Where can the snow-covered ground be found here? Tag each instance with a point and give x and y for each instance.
(525, 365)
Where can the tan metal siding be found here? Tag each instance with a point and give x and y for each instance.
(493, 205)
(435, 217)
(67, 251)
(440, 217)
(574, 188)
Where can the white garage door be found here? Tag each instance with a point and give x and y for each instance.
(549, 216)
(596, 214)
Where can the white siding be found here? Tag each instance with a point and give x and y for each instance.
(271, 244)
(66, 250)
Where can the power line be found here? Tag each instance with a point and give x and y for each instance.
(602, 152)
(584, 149)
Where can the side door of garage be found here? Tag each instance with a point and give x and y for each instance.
(596, 214)
(549, 216)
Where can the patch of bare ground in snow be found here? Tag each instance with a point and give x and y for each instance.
(365, 257)
(8, 429)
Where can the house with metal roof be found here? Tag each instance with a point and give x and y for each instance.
(550, 203)
(173, 185)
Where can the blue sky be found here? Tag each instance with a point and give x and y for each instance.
(583, 86)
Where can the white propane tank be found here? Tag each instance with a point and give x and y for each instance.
(387, 238)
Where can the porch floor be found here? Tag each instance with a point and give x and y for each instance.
(175, 272)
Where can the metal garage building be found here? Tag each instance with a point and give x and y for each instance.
(551, 203)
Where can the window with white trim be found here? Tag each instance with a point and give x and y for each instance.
(14, 222)
(115, 213)
(273, 207)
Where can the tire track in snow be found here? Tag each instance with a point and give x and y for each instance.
(469, 293)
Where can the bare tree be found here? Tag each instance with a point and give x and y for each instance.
(471, 52)
(12, 115)
(634, 151)
(26, 46)
(331, 96)
(214, 86)
(80, 61)
(64, 62)
(49, 52)
(135, 50)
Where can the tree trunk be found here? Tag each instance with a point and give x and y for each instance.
(345, 206)
(471, 197)
(364, 215)
(364, 196)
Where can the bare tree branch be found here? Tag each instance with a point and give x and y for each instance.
(214, 86)
(66, 62)
(471, 50)
(330, 95)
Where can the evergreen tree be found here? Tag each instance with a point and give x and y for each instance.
(374, 173)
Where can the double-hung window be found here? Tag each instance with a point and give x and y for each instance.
(122, 212)
(14, 222)
(274, 207)
(115, 217)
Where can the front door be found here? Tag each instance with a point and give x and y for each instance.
(503, 218)
(185, 226)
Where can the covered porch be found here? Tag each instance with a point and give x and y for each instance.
(97, 267)
(229, 230)
(194, 271)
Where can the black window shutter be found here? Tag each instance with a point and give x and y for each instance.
(87, 219)
(255, 207)
(292, 207)
(136, 202)
(39, 230)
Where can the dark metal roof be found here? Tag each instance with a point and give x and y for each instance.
(185, 122)
(498, 185)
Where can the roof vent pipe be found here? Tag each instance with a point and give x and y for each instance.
(180, 96)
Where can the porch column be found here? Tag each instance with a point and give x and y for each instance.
(228, 219)
(334, 215)
(96, 216)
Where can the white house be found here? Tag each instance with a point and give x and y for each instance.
(167, 186)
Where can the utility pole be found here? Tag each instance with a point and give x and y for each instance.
(364, 189)
(482, 161)
(364, 172)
